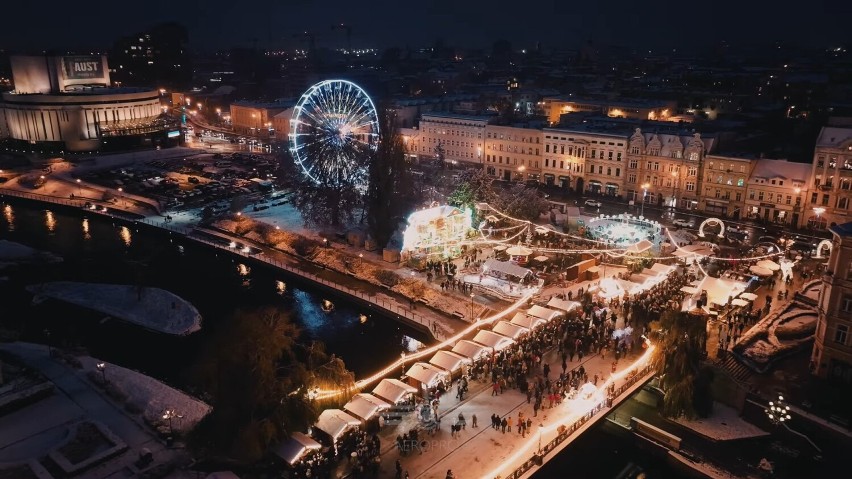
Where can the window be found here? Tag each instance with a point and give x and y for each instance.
(718, 193)
(740, 182)
(633, 164)
(690, 186)
(843, 203)
(634, 150)
(789, 199)
(825, 200)
(739, 196)
(562, 148)
(609, 155)
(814, 198)
(618, 172)
(631, 178)
(692, 171)
(841, 331)
(656, 166)
(693, 156)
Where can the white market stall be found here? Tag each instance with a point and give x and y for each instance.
(561, 304)
(519, 254)
(720, 290)
(495, 341)
(393, 390)
(640, 247)
(526, 321)
(335, 422)
(470, 350)
(449, 361)
(365, 406)
(295, 447)
(760, 270)
(769, 264)
(427, 375)
(662, 268)
(739, 302)
(509, 330)
(748, 296)
(543, 313)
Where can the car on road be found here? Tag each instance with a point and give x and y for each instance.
(592, 203)
(682, 223)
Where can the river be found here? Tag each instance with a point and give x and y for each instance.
(97, 249)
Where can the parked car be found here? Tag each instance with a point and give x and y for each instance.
(682, 223)
(592, 203)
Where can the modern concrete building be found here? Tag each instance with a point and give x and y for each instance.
(776, 191)
(831, 192)
(67, 103)
(831, 357)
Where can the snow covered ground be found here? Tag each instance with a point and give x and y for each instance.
(11, 252)
(158, 310)
(724, 424)
(285, 216)
(152, 396)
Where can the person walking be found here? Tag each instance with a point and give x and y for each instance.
(473, 421)
(509, 423)
(503, 425)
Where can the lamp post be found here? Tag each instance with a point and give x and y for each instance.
(102, 368)
(120, 195)
(676, 181)
(778, 412)
(360, 259)
(471, 305)
(540, 427)
(79, 187)
(168, 414)
(402, 363)
(644, 194)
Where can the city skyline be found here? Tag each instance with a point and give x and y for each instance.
(475, 24)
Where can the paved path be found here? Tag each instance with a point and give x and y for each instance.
(81, 401)
(480, 452)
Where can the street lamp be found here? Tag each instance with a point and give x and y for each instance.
(644, 194)
(120, 195)
(42, 180)
(471, 305)
(819, 211)
(402, 362)
(778, 412)
(360, 259)
(102, 368)
(168, 414)
(79, 188)
(676, 181)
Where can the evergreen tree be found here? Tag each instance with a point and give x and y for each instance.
(679, 337)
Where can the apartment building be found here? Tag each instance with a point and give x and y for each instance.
(776, 190)
(664, 168)
(831, 193)
(513, 153)
(585, 160)
(453, 138)
(831, 357)
(725, 185)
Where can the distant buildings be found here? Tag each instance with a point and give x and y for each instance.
(158, 57)
(557, 106)
(831, 194)
(262, 119)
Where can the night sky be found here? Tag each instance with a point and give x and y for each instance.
(215, 24)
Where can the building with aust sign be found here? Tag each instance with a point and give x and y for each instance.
(67, 103)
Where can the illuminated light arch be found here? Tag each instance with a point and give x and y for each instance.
(823, 244)
(709, 221)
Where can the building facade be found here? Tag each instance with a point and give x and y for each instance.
(665, 169)
(585, 160)
(725, 185)
(448, 137)
(776, 191)
(831, 357)
(258, 118)
(830, 194)
(513, 153)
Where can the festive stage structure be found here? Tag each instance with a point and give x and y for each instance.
(436, 233)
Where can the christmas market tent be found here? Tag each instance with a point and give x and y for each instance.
(739, 302)
(295, 447)
(769, 264)
(449, 361)
(760, 270)
(543, 313)
(720, 289)
(561, 304)
(393, 390)
(526, 321)
(426, 374)
(335, 422)
(497, 268)
(365, 406)
(639, 247)
(662, 268)
(748, 296)
(493, 340)
(689, 289)
(469, 349)
(509, 330)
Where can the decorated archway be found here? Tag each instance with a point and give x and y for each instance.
(712, 221)
(823, 244)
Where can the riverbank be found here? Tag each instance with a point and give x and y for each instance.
(151, 308)
(17, 253)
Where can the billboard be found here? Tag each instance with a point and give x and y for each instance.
(82, 67)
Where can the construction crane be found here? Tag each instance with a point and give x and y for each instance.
(348, 30)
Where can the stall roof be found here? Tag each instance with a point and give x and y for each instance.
(543, 313)
(425, 373)
(493, 340)
(509, 330)
(295, 447)
(529, 322)
(381, 403)
(335, 422)
(566, 306)
(449, 361)
(662, 268)
(393, 390)
(361, 407)
(640, 247)
(469, 349)
(506, 267)
(748, 296)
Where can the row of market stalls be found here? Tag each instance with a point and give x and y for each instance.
(421, 379)
(636, 283)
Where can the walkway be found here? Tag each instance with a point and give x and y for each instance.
(485, 452)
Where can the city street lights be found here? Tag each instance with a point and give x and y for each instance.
(79, 187)
(644, 194)
(102, 368)
(120, 195)
(521, 170)
(360, 259)
(778, 412)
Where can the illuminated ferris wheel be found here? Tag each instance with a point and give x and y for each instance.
(333, 131)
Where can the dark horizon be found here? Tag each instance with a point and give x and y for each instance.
(219, 24)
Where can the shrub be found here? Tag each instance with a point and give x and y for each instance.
(115, 392)
(387, 278)
(304, 246)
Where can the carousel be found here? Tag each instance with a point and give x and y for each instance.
(436, 232)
